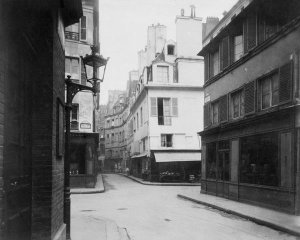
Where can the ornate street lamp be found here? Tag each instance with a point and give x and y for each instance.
(95, 60)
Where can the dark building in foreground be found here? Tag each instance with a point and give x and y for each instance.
(32, 117)
(251, 139)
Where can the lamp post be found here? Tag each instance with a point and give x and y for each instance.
(95, 60)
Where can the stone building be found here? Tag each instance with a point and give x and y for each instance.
(31, 117)
(250, 140)
(84, 138)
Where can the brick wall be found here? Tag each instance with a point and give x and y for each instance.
(58, 162)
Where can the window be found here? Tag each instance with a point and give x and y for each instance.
(141, 116)
(72, 68)
(238, 47)
(113, 122)
(74, 117)
(215, 112)
(107, 136)
(163, 74)
(166, 140)
(164, 111)
(134, 124)
(269, 89)
(215, 63)
(211, 160)
(237, 104)
(83, 28)
(108, 123)
(112, 137)
(171, 49)
(137, 121)
(259, 160)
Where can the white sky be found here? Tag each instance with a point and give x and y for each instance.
(123, 31)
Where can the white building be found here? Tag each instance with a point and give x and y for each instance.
(166, 113)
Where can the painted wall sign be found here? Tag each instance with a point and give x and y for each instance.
(85, 126)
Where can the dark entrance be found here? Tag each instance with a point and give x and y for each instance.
(223, 169)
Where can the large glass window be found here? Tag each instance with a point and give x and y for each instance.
(259, 160)
(211, 160)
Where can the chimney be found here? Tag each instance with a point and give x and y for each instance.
(211, 22)
(182, 12)
(193, 8)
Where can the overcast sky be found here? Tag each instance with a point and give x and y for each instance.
(123, 31)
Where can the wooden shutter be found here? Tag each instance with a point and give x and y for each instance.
(211, 65)
(175, 107)
(223, 108)
(285, 82)
(224, 56)
(260, 29)
(250, 33)
(250, 97)
(207, 120)
(153, 107)
(206, 67)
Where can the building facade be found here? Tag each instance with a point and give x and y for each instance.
(250, 141)
(32, 117)
(161, 142)
(84, 139)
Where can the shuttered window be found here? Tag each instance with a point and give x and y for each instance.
(249, 97)
(83, 28)
(174, 107)
(153, 102)
(207, 120)
(285, 82)
(250, 32)
(224, 53)
(223, 104)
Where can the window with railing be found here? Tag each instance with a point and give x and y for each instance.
(166, 140)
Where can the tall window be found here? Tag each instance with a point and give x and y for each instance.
(72, 68)
(74, 117)
(137, 121)
(166, 140)
(83, 28)
(164, 111)
(112, 137)
(163, 74)
(237, 104)
(269, 91)
(216, 62)
(238, 47)
(215, 112)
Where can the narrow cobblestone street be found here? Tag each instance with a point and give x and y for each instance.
(155, 212)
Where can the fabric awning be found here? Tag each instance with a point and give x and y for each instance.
(177, 156)
(140, 155)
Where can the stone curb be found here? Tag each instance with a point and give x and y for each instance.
(253, 219)
(160, 184)
(92, 191)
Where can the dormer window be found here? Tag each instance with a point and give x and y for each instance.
(171, 49)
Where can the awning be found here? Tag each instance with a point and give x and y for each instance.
(140, 155)
(177, 156)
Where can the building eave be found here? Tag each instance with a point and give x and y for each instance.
(71, 11)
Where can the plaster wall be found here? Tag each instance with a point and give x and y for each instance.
(190, 72)
(188, 36)
(184, 127)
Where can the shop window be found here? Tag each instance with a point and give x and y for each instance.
(163, 74)
(166, 140)
(237, 104)
(211, 160)
(259, 160)
(269, 91)
(223, 172)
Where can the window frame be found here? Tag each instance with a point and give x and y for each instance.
(271, 78)
(241, 102)
(158, 73)
(213, 105)
(83, 28)
(164, 140)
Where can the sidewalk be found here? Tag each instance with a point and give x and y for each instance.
(276, 220)
(99, 187)
(158, 183)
